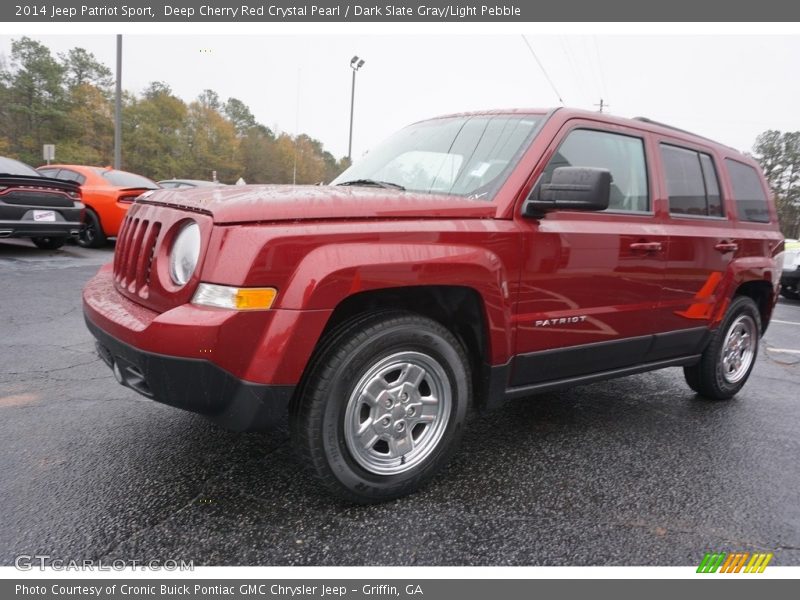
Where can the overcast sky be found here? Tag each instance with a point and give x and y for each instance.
(727, 87)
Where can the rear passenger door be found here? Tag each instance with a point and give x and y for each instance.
(701, 245)
(591, 282)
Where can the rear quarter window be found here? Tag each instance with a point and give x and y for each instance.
(751, 202)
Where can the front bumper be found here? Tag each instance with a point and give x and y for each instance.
(195, 385)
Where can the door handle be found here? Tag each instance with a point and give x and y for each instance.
(725, 247)
(646, 246)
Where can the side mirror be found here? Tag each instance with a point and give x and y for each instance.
(571, 188)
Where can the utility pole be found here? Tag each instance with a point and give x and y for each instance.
(602, 105)
(118, 109)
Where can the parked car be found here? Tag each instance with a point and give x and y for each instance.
(790, 278)
(469, 259)
(187, 183)
(46, 210)
(107, 193)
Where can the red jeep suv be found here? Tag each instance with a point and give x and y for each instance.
(469, 259)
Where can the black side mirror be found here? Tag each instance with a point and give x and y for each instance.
(571, 188)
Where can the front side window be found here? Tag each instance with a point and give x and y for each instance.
(467, 156)
(622, 155)
(692, 183)
(751, 203)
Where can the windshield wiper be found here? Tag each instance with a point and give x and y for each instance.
(374, 183)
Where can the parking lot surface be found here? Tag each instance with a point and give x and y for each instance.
(636, 471)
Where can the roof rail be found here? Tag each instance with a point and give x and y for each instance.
(673, 128)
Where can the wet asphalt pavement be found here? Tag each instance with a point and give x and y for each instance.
(636, 471)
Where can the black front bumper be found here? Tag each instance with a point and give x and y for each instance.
(195, 385)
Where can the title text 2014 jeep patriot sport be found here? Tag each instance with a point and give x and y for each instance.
(470, 258)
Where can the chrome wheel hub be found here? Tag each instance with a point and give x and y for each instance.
(397, 413)
(738, 349)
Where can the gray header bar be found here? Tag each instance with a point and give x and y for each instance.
(395, 11)
(375, 589)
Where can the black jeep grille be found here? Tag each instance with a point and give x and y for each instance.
(133, 256)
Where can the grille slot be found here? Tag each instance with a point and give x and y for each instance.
(133, 258)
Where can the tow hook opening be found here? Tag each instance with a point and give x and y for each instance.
(125, 373)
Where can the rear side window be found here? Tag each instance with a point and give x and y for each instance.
(692, 182)
(751, 203)
(127, 180)
(622, 155)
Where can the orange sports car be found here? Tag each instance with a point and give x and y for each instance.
(107, 194)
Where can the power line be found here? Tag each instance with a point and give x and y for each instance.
(600, 67)
(572, 65)
(544, 71)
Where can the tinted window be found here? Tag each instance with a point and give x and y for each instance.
(127, 180)
(712, 186)
(622, 155)
(691, 182)
(751, 203)
(9, 166)
(47, 172)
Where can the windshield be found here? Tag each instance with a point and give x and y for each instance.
(466, 156)
(127, 180)
(9, 166)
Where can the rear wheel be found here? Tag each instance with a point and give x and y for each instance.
(92, 235)
(383, 406)
(731, 354)
(49, 243)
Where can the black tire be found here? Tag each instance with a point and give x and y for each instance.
(382, 350)
(92, 235)
(790, 293)
(49, 243)
(720, 375)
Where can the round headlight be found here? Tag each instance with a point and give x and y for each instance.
(185, 253)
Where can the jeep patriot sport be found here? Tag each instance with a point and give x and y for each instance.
(469, 259)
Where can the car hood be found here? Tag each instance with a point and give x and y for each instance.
(243, 204)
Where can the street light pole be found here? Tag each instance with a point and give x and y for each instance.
(355, 64)
(118, 108)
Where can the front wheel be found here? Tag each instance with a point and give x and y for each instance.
(383, 406)
(731, 354)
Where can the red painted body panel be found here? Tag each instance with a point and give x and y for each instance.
(320, 245)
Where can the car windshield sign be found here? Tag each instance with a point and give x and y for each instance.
(466, 156)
